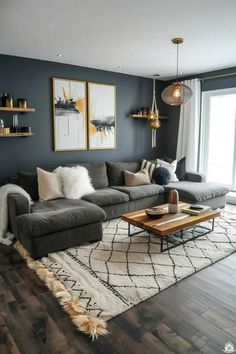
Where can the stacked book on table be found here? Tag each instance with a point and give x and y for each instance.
(195, 209)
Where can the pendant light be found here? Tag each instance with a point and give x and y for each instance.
(153, 115)
(176, 94)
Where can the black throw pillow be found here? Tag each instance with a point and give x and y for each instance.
(29, 182)
(161, 176)
(180, 169)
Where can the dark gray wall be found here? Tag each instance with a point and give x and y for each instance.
(169, 132)
(31, 79)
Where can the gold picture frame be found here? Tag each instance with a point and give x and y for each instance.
(101, 116)
(70, 115)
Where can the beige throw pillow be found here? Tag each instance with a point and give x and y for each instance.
(48, 185)
(136, 179)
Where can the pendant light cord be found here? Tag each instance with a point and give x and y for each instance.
(177, 74)
(154, 102)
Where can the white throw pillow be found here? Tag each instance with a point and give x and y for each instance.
(75, 181)
(171, 167)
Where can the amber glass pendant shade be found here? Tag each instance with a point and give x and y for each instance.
(176, 94)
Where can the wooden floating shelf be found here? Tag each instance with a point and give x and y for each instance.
(146, 116)
(15, 135)
(17, 109)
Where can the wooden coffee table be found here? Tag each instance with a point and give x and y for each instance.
(169, 224)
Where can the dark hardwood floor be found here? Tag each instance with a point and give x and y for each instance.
(198, 315)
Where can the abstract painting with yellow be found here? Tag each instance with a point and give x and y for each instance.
(101, 116)
(70, 116)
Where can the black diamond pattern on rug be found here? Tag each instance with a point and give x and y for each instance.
(119, 272)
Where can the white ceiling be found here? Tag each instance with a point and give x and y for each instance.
(133, 34)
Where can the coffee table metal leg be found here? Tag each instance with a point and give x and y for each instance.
(134, 233)
(161, 244)
(206, 229)
(213, 224)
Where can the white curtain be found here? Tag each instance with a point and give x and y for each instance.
(189, 125)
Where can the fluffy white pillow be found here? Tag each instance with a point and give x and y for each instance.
(75, 181)
(171, 167)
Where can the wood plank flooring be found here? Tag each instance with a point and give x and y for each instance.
(198, 315)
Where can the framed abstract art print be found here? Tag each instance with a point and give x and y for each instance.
(69, 115)
(101, 116)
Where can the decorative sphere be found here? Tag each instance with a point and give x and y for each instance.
(161, 176)
(154, 123)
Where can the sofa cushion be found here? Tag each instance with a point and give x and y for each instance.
(97, 173)
(106, 196)
(115, 171)
(139, 192)
(57, 205)
(195, 191)
(55, 219)
(29, 182)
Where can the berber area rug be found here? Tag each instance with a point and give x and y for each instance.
(95, 282)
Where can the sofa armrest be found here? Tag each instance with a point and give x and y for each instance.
(17, 205)
(195, 177)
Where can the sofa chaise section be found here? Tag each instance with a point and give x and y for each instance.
(210, 194)
(62, 223)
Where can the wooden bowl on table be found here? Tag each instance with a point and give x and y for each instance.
(155, 212)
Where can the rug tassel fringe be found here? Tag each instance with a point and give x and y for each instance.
(92, 326)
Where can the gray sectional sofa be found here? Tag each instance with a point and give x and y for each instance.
(51, 226)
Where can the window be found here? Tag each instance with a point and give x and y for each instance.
(218, 137)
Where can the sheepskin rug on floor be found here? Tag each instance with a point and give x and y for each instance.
(109, 277)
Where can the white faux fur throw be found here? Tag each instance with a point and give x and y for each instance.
(5, 236)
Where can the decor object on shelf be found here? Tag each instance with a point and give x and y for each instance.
(69, 115)
(9, 102)
(177, 93)
(16, 131)
(4, 99)
(173, 206)
(4, 131)
(101, 116)
(25, 129)
(22, 103)
(1, 123)
(15, 124)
